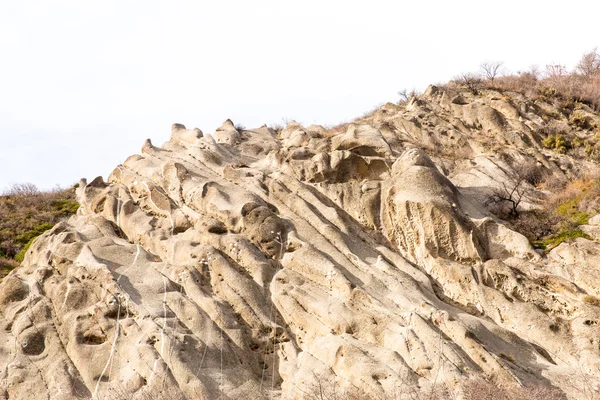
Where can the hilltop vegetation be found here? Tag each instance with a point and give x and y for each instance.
(25, 213)
(565, 107)
(567, 103)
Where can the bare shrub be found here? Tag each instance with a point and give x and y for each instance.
(480, 389)
(524, 82)
(582, 385)
(6, 266)
(513, 191)
(471, 82)
(118, 392)
(326, 388)
(469, 389)
(406, 95)
(22, 189)
(581, 85)
(574, 193)
(277, 127)
(8, 249)
(387, 125)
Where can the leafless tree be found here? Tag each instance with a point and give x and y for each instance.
(589, 65)
(491, 69)
(406, 95)
(513, 191)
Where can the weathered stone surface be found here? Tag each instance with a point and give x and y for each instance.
(592, 230)
(257, 264)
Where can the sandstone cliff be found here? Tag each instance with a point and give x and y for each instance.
(262, 263)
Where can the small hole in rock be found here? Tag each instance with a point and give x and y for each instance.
(34, 344)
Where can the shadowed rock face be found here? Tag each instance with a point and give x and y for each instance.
(258, 264)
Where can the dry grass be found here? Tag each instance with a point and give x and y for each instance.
(560, 86)
(480, 389)
(554, 82)
(340, 128)
(327, 389)
(469, 389)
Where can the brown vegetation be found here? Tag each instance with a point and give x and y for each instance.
(406, 95)
(25, 213)
(470, 389)
(479, 389)
(581, 85)
(560, 214)
(472, 82)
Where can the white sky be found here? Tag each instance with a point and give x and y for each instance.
(83, 83)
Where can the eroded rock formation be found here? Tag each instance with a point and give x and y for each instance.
(258, 264)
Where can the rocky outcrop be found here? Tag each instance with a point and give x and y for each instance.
(261, 264)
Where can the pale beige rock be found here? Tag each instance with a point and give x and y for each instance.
(595, 220)
(592, 230)
(259, 264)
(186, 137)
(363, 140)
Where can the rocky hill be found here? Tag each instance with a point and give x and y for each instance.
(377, 259)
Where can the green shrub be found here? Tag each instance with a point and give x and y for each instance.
(557, 143)
(548, 91)
(21, 255)
(591, 146)
(37, 230)
(579, 120)
(577, 142)
(65, 207)
(552, 241)
(31, 235)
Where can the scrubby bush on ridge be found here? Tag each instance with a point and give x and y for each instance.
(25, 213)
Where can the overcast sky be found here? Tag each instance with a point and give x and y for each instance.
(83, 83)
